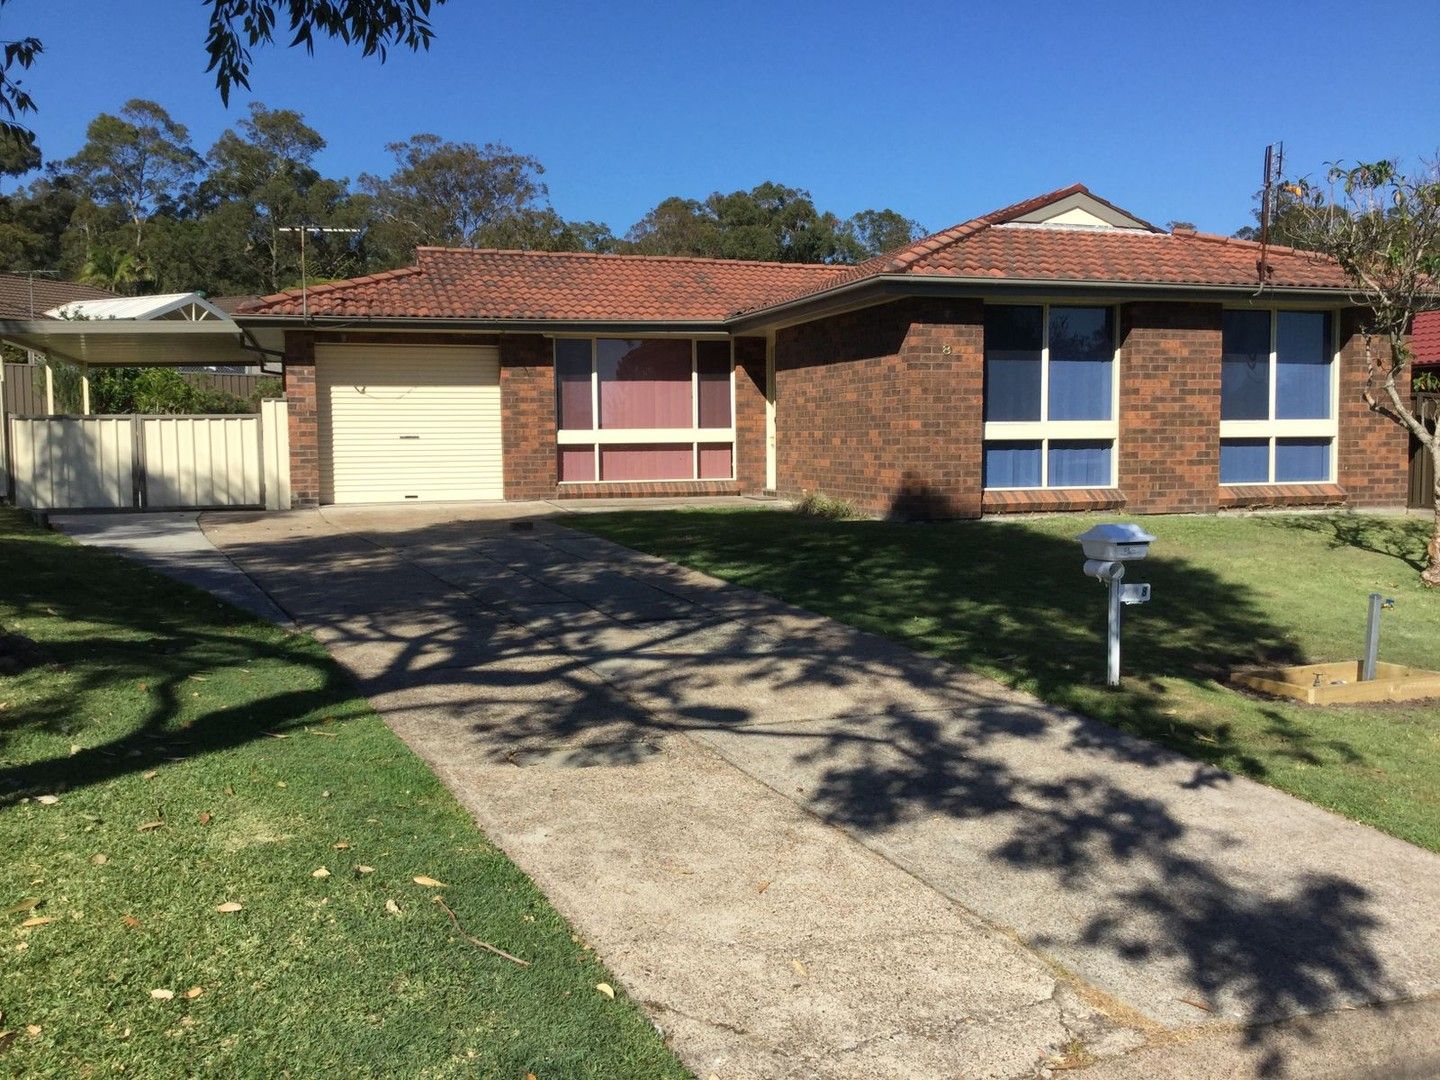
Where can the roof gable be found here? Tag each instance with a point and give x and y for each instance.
(177, 307)
(1083, 209)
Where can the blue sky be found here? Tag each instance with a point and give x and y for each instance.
(941, 111)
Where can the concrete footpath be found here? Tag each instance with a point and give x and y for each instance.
(809, 852)
(173, 544)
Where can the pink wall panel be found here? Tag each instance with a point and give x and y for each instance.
(664, 462)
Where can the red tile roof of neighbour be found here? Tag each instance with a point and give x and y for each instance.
(464, 283)
(1425, 338)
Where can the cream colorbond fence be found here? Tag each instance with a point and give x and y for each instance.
(73, 462)
(152, 462)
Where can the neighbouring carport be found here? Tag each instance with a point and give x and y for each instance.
(87, 461)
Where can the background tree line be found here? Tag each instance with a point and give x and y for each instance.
(140, 209)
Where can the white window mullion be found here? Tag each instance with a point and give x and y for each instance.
(1274, 381)
(1045, 392)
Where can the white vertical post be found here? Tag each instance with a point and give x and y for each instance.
(49, 389)
(1112, 655)
(85, 389)
(771, 470)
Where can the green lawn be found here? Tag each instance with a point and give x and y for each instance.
(1007, 598)
(143, 702)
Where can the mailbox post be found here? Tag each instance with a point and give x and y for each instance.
(1107, 549)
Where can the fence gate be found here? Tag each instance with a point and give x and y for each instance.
(152, 462)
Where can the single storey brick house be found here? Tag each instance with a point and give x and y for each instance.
(1059, 354)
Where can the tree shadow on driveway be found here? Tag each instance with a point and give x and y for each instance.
(1160, 880)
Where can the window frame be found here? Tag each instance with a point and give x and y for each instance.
(1045, 431)
(1271, 430)
(596, 436)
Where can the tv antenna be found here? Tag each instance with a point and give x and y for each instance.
(305, 230)
(1269, 204)
(31, 275)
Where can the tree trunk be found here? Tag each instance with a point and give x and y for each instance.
(1431, 574)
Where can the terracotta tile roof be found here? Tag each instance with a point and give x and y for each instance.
(459, 283)
(1425, 338)
(462, 283)
(15, 295)
(997, 247)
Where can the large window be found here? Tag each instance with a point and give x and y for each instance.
(644, 409)
(1049, 396)
(1277, 398)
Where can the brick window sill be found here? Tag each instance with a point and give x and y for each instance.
(658, 489)
(1048, 500)
(1257, 496)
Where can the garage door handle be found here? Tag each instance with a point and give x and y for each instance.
(409, 436)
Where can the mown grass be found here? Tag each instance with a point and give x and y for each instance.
(140, 702)
(1007, 598)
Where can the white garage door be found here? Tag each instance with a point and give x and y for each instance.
(408, 423)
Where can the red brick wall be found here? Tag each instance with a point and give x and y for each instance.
(750, 414)
(527, 409)
(882, 407)
(1374, 451)
(1170, 407)
(299, 366)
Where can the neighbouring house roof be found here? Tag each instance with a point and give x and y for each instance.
(229, 304)
(1425, 338)
(464, 283)
(1069, 236)
(24, 297)
(174, 306)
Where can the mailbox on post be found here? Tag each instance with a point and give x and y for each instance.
(1107, 549)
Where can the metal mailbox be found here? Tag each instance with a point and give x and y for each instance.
(1107, 549)
(1116, 543)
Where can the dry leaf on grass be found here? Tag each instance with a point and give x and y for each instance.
(606, 989)
(131, 921)
(392, 907)
(229, 906)
(321, 873)
(162, 995)
(206, 817)
(47, 800)
(229, 790)
(99, 859)
(37, 920)
(33, 1029)
(30, 903)
(194, 992)
(341, 845)
(150, 825)
(428, 882)
(150, 775)
(362, 869)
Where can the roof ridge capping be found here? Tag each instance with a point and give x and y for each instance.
(326, 287)
(436, 249)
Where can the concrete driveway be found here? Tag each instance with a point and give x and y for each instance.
(810, 853)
